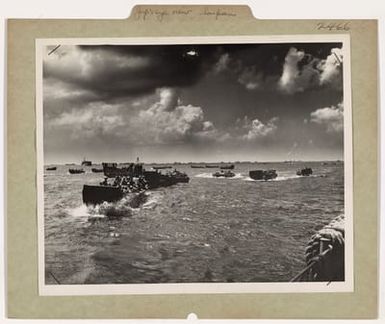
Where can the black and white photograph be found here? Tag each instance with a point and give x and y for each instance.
(198, 164)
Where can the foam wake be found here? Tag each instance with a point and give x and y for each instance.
(287, 177)
(210, 176)
(122, 208)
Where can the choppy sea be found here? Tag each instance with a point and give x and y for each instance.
(207, 230)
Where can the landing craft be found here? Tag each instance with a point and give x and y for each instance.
(86, 163)
(263, 174)
(76, 171)
(161, 167)
(224, 174)
(305, 172)
(131, 180)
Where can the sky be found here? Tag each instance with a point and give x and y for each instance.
(166, 103)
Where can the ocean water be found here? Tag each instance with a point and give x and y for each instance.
(207, 230)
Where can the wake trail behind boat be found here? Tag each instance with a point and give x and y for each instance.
(122, 208)
(210, 176)
(287, 177)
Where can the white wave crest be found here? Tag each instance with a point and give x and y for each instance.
(286, 177)
(152, 201)
(122, 208)
(210, 176)
(80, 211)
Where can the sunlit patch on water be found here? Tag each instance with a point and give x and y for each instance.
(279, 178)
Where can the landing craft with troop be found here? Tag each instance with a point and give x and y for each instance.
(76, 171)
(132, 179)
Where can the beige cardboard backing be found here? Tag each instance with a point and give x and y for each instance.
(23, 300)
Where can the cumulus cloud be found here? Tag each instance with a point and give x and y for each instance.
(257, 129)
(169, 99)
(170, 121)
(166, 121)
(330, 68)
(293, 79)
(330, 117)
(302, 71)
(94, 121)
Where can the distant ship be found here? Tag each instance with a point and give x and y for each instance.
(76, 171)
(160, 167)
(96, 170)
(86, 163)
(51, 168)
(227, 167)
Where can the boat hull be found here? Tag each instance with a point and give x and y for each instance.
(305, 172)
(263, 175)
(155, 179)
(75, 171)
(93, 195)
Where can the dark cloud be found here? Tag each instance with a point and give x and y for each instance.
(288, 67)
(115, 71)
(121, 71)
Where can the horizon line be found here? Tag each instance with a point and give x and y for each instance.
(199, 162)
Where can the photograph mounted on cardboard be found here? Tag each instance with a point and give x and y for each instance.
(194, 165)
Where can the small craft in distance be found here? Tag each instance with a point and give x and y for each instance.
(263, 174)
(86, 162)
(224, 174)
(305, 172)
(227, 167)
(76, 171)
